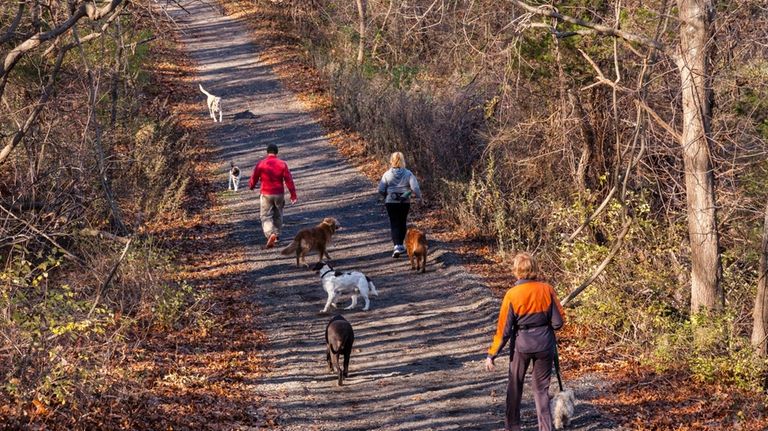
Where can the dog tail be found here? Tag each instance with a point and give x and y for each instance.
(203, 90)
(371, 286)
(292, 247)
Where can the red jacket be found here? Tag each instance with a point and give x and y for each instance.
(272, 172)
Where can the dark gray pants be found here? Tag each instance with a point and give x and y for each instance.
(542, 373)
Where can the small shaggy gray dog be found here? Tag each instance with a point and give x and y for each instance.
(562, 406)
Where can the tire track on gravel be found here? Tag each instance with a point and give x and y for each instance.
(419, 351)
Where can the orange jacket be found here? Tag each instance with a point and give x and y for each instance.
(529, 315)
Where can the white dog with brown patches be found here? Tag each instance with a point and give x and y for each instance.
(214, 104)
(337, 283)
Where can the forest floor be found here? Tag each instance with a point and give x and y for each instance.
(417, 362)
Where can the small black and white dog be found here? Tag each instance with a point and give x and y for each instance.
(214, 104)
(337, 283)
(339, 338)
(234, 176)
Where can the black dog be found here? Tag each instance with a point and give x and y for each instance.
(339, 338)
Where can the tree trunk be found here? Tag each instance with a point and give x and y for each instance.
(361, 6)
(587, 143)
(760, 312)
(696, 18)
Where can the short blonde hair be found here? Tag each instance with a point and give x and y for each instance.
(397, 160)
(525, 267)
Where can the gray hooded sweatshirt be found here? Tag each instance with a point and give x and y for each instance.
(396, 182)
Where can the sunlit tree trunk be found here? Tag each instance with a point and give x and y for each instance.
(361, 7)
(760, 312)
(696, 18)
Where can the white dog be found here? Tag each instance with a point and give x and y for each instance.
(561, 406)
(234, 176)
(214, 104)
(337, 283)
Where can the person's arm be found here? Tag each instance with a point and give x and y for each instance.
(414, 184)
(383, 185)
(255, 176)
(558, 315)
(504, 327)
(289, 183)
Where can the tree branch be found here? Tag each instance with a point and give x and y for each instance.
(666, 126)
(549, 11)
(44, 235)
(12, 29)
(85, 9)
(600, 268)
(48, 90)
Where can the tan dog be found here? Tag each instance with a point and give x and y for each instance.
(416, 246)
(315, 238)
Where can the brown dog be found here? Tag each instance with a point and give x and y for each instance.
(315, 238)
(416, 246)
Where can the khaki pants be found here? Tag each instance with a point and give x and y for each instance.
(271, 214)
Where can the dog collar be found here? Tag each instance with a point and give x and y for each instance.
(326, 273)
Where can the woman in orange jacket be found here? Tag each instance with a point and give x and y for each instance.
(529, 316)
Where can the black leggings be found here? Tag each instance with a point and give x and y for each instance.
(398, 216)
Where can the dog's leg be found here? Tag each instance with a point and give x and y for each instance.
(346, 362)
(323, 252)
(328, 357)
(229, 183)
(424, 263)
(341, 372)
(328, 303)
(353, 304)
(221, 113)
(367, 302)
(413, 262)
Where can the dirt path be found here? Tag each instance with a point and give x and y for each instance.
(417, 362)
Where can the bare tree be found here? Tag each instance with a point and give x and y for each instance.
(692, 57)
(361, 12)
(760, 312)
(696, 20)
(33, 42)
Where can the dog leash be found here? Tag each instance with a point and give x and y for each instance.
(557, 367)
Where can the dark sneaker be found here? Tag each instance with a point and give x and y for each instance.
(272, 241)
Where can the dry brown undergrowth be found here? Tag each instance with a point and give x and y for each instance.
(201, 374)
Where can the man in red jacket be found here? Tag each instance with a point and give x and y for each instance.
(272, 172)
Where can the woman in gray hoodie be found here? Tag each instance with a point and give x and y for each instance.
(398, 185)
